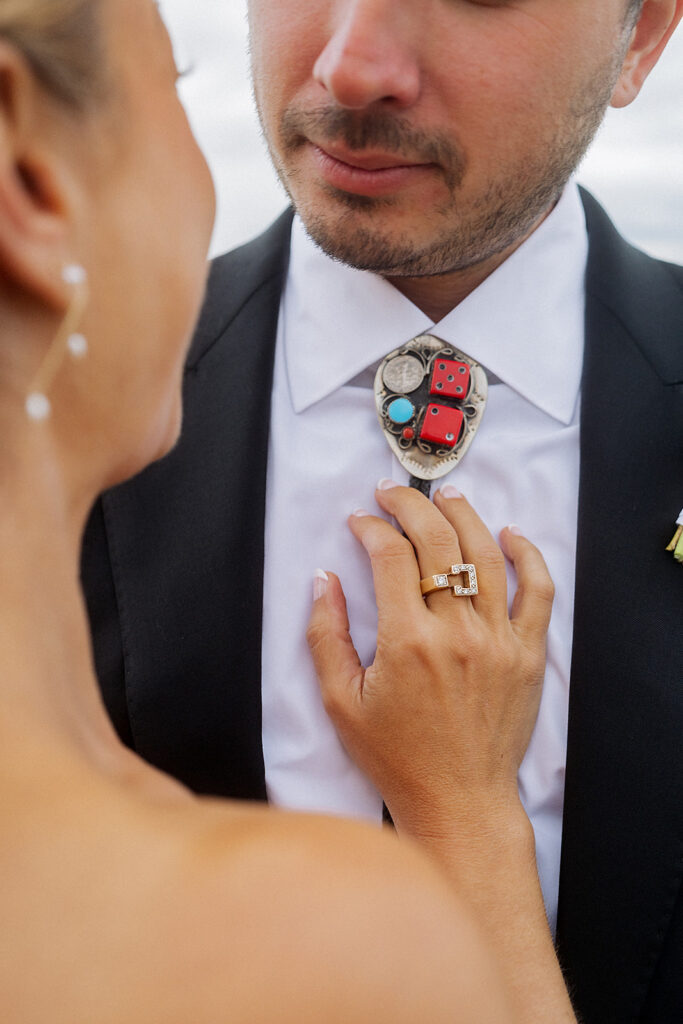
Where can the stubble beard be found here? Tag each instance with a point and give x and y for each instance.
(349, 228)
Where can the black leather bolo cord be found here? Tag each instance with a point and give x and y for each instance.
(425, 486)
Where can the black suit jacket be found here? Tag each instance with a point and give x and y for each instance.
(173, 573)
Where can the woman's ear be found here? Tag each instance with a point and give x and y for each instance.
(34, 188)
(655, 26)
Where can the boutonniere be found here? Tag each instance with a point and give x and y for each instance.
(676, 544)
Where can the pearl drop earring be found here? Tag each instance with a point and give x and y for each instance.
(74, 273)
(38, 406)
(78, 346)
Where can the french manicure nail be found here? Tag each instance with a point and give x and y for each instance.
(515, 530)
(360, 513)
(386, 484)
(449, 491)
(320, 581)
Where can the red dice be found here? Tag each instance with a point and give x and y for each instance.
(442, 425)
(450, 378)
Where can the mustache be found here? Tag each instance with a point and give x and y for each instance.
(373, 129)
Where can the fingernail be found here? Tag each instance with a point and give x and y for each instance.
(360, 512)
(449, 491)
(515, 530)
(320, 581)
(386, 484)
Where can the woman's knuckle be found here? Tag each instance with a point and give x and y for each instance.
(544, 589)
(490, 559)
(391, 549)
(335, 702)
(533, 664)
(314, 636)
(438, 537)
(335, 709)
(417, 644)
(469, 646)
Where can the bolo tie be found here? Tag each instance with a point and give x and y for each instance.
(430, 400)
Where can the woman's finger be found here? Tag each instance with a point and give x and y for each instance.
(336, 661)
(394, 569)
(431, 535)
(533, 602)
(447, 533)
(480, 549)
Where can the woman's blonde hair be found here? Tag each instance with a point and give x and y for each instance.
(61, 41)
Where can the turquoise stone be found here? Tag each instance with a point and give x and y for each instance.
(401, 410)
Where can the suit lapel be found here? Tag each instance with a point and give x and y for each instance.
(624, 794)
(186, 543)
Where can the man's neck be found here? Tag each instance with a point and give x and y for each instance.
(437, 295)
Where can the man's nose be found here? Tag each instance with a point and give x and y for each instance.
(370, 56)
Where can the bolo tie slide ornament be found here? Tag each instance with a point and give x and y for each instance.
(430, 401)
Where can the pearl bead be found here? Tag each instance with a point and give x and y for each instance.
(73, 274)
(78, 346)
(38, 406)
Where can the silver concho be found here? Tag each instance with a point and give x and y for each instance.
(431, 430)
(403, 374)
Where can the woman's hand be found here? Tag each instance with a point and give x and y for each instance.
(442, 718)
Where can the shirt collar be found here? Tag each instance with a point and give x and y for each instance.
(525, 323)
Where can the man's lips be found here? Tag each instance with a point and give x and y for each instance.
(362, 173)
(367, 161)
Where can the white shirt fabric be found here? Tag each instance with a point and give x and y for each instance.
(525, 324)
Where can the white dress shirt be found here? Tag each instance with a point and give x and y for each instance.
(525, 324)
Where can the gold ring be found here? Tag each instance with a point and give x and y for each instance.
(440, 581)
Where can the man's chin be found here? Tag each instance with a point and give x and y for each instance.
(366, 247)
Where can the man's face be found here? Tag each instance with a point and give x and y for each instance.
(419, 137)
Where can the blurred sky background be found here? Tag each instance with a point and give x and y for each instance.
(635, 167)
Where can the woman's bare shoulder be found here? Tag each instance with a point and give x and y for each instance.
(297, 918)
(127, 910)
